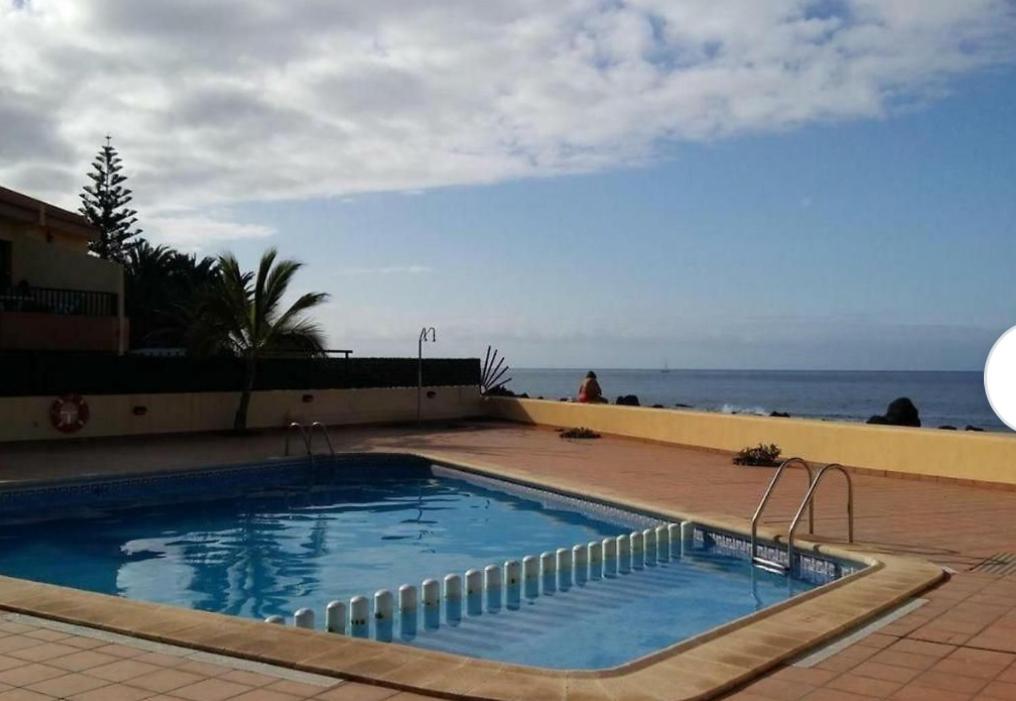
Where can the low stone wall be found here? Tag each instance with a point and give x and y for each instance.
(983, 457)
(27, 418)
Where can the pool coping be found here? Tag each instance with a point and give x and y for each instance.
(696, 668)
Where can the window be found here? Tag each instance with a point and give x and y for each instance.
(5, 264)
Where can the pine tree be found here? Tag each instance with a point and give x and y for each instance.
(104, 204)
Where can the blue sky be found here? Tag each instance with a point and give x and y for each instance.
(779, 184)
(867, 244)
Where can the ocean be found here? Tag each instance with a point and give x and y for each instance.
(942, 398)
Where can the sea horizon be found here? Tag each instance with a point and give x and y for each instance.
(953, 398)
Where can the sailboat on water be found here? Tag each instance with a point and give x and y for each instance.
(666, 368)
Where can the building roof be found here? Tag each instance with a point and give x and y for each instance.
(20, 207)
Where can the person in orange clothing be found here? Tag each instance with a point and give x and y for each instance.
(589, 390)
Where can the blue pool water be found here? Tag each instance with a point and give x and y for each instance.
(280, 538)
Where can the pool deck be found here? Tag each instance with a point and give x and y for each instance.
(960, 645)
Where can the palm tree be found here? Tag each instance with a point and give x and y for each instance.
(162, 286)
(242, 315)
(146, 268)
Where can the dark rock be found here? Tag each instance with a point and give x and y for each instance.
(972, 428)
(500, 391)
(900, 412)
(627, 400)
(947, 428)
(780, 414)
(657, 406)
(682, 406)
(540, 397)
(564, 399)
(523, 396)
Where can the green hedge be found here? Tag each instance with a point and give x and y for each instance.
(33, 374)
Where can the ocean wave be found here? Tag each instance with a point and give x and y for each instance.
(735, 409)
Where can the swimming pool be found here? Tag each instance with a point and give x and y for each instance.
(269, 539)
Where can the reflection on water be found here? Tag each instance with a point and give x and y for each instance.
(272, 552)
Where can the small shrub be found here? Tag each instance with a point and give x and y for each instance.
(580, 432)
(761, 455)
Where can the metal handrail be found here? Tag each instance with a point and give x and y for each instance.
(303, 434)
(808, 500)
(324, 431)
(769, 490)
(53, 300)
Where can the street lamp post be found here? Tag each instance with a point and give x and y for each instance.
(424, 333)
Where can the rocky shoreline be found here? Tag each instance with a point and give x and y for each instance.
(900, 412)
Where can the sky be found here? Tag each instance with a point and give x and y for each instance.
(807, 184)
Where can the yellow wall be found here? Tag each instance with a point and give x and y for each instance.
(27, 418)
(63, 263)
(59, 264)
(10, 229)
(988, 457)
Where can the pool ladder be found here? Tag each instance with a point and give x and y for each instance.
(308, 437)
(814, 479)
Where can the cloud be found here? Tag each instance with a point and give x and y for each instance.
(218, 102)
(191, 231)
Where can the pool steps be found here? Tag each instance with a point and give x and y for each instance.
(453, 586)
(384, 605)
(513, 572)
(304, 618)
(558, 570)
(530, 567)
(359, 611)
(431, 592)
(474, 582)
(335, 617)
(407, 598)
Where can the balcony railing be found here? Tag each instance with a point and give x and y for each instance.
(50, 300)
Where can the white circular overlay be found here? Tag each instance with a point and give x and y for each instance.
(1000, 378)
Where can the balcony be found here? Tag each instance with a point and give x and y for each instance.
(46, 318)
(51, 300)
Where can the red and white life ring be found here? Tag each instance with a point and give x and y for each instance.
(68, 413)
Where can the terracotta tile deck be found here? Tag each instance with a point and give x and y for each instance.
(960, 645)
(43, 660)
